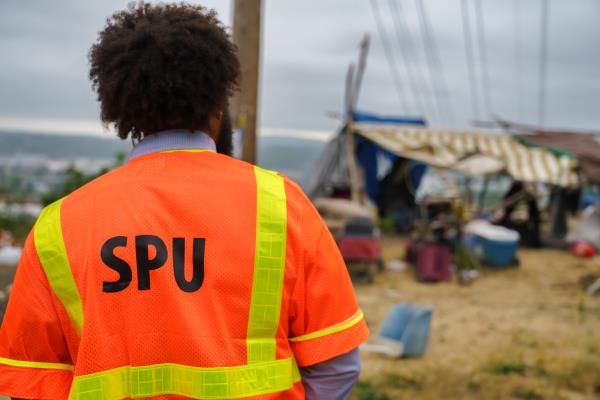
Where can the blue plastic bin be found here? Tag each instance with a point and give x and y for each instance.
(409, 324)
(496, 253)
(496, 245)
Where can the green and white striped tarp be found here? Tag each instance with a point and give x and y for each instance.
(446, 148)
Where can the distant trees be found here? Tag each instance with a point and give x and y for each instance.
(75, 178)
(13, 189)
(19, 225)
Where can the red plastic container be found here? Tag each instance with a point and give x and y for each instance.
(434, 263)
(583, 249)
(359, 248)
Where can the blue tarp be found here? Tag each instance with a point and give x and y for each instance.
(376, 161)
(358, 116)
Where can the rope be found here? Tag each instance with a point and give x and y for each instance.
(543, 63)
(487, 97)
(435, 61)
(388, 53)
(518, 60)
(470, 59)
(407, 47)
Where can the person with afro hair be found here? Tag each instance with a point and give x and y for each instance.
(157, 68)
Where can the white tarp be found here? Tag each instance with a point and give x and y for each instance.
(445, 148)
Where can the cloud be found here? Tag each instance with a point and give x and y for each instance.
(306, 51)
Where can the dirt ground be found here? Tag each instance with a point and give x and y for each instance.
(521, 333)
(528, 332)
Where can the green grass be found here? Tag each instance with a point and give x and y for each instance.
(368, 391)
(594, 350)
(583, 376)
(397, 381)
(386, 225)
(508, 368)
(508, 378)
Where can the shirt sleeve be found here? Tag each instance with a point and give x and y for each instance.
(325, 320)
(332, 379)
(34, 358)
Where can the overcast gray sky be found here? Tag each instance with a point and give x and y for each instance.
(307, 46)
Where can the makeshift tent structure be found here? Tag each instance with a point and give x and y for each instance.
(495, 152)
(584, 146)
(381, 141)
(378, 162)
(331, 170)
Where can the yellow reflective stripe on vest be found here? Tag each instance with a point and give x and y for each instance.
(194, 382)
(35, 364)
(269, 266)
(342, 326)
(263, 374)
(188, 151)
(51, 251)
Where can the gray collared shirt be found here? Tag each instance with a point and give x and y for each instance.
(172, 140)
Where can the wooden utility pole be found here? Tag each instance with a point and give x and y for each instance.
(244, 106)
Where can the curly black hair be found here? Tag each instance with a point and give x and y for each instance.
(167, 66)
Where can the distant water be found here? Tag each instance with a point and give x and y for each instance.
(287, 153)
(60, 147)
(293, 157)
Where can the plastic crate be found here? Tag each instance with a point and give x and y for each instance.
(496, 253)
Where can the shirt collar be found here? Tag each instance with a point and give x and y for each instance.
(172, 140)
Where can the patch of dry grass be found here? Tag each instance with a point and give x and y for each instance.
(521, 333)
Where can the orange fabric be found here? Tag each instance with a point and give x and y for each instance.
(314, 351)
(183, 195)
(33, 383)
(33, 330)
(323, 295)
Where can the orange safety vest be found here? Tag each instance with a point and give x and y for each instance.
(182, 273)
